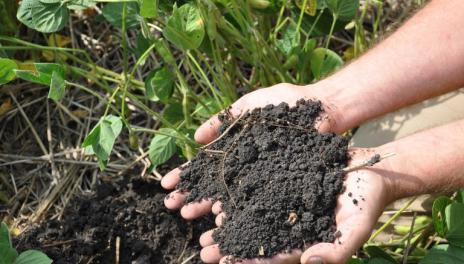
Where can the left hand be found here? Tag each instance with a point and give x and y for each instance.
(367, 193)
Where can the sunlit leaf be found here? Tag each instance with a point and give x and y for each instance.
(455, 223)
(159, 84)
(185, 28)
(41, 73)
(343, 9)
(162, 147)
(112, 12)
(7, 68)
(324, 62)
(149, 8)
(81, 4)
(438, 214)
(101, 139)
(57, 87)
(49, 17)
(24, 13)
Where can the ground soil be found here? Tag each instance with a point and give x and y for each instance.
(277, 176)
(131, 209)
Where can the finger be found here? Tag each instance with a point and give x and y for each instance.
(210, 254)
(196, 209)
(208, 131)
(217, 208)
(282, 258)
(354, 231)
(171, 179)
(220, 219)
(206, 239)
(175, 200)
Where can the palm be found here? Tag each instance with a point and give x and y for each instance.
(357, 211)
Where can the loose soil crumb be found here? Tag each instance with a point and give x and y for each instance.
(132, 210)
(277, 177)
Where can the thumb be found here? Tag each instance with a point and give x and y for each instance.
(354, 232)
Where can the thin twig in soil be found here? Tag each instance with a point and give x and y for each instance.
(369, 162)
(59, 243)
(189, 258)
(225, 131)
(118, 246)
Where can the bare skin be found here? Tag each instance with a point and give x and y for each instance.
(424, 58)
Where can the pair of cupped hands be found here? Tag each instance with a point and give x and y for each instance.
(354, 221)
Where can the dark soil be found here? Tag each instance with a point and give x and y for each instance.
(278, 179)
(132, 210)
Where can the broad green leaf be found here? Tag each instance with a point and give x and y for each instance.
(444, 254)
(24, 13)
(49, 1)
(159, 84)
(80, 4)
(324, 62)
(57, 87)
(438, 214)
(173, 113)
(455, 223)
(212, 108)
(7, 68)
(7, 253)
(380, 261)
(112, 12)
(355, 261)
(101, 139)
(49, 17)
(377, 253)
(343, 9)
(289, 41)
(185, 28)
(42, 74)
(149, 8)
(32, 257)
(163, 49)
(162, 147)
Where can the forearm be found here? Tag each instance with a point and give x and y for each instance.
(426, 162)
(424, 58)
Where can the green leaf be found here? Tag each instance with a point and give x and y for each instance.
(377, 253)
(455, 223)
(112, 12)
(289, 41)
(460, 196)
(49, 18)
(438, 214)
(101, 139)
(33, 257)
(24, 13)
(343, 9)
(380, 261)
(159, 84)
(57, 87)
(7, 68)
(444, 254)
(162, 147)
(185, 28)
(42, 74)
(212, 106)
(80, 4)
(49, 1)
(173, 113)
(149, 8)
(324, 62)
(7, 252)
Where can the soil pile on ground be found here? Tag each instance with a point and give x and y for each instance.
(132, 210)
(277, 177)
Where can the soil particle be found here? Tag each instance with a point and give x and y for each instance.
(355, 201)
(132, 210)
(277, 177)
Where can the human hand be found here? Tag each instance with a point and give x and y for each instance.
(367, 192)
(276, 94)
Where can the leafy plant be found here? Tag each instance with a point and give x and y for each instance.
(9, 255)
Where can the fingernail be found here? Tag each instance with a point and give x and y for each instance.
(315, 260)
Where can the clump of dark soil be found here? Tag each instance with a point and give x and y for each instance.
(132, 210)
(277, 177)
